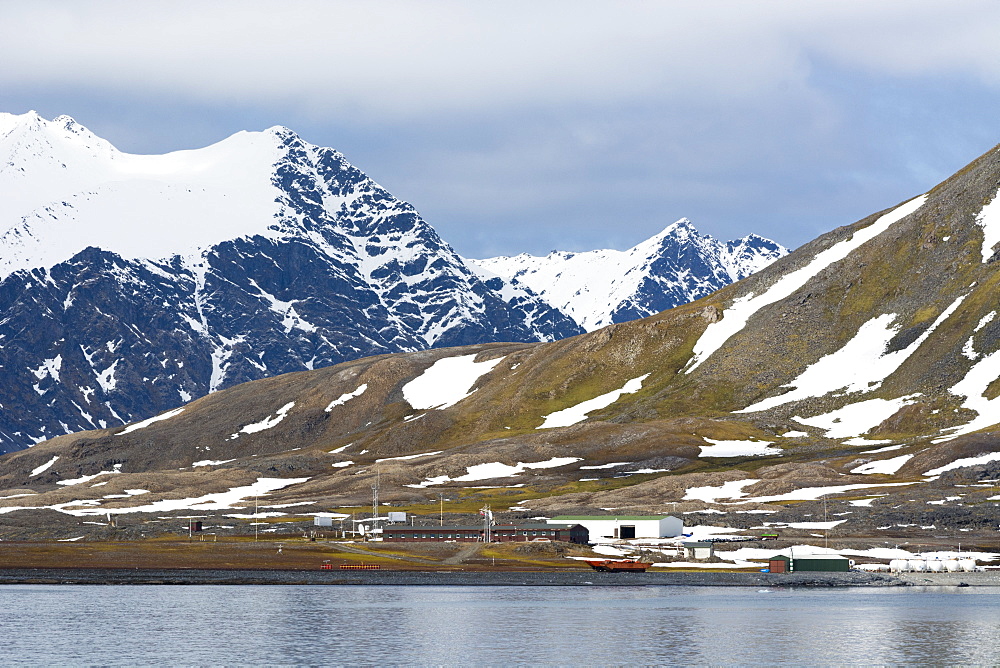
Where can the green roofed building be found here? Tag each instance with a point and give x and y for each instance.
(624, 527)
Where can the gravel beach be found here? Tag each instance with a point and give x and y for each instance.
(495, 578)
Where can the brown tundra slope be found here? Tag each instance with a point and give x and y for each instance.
(865, 362)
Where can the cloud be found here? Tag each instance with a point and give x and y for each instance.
(526, 126)
(404, 59)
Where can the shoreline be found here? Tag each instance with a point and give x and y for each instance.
(120, 576)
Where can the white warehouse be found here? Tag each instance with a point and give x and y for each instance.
(624, 527)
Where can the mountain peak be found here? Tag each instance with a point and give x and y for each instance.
(134, 283)
(602, 287)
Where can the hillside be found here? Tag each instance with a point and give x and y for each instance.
(861, 368)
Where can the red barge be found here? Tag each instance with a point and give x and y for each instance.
(618, 565)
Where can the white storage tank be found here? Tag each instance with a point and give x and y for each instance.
(968, 565)
(899, 565)
(916, 565)
(952, 565)
(872, 567)
(935, 566)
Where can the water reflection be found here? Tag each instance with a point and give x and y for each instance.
(502, 625)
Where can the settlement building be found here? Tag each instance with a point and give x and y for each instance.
(809, 562)
(699, 549)
(501, 533)
(624, 527)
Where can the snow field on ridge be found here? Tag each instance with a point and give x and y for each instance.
(989, 220)
(739, 312)
(228, 183)
(861, 365)
(145, 423)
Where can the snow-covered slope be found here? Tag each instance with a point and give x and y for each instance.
(130, 284)
(63, 189)
(601, 287)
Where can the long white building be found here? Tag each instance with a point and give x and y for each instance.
(624, 527)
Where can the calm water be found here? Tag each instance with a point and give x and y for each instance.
(497, 626)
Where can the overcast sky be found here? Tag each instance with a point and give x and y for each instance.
(531, 126)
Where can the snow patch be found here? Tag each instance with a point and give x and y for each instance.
(446, 382)
(965, 461)
(145, 423)
(422, 454)
(266, 423)
(857, 418)
(729, 490)
(738, 449)
(578, 413)
(493, 470)
(211, 462)
(813, 493)
(117, 468)
(44, 467)
(989, 220)
(344, 398)
(973, 387)
(106, 379)
(884, 466)
(50, 368)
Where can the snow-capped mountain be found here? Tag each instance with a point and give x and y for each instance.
(130, 284)
(601, 287)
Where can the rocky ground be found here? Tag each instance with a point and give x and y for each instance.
(493, 579)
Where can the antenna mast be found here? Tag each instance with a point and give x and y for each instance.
(487, 523)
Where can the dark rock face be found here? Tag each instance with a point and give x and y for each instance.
(348, 271)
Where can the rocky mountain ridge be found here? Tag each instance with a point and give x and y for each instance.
(131, 284)
(603, 287)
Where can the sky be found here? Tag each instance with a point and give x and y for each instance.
(540, 125)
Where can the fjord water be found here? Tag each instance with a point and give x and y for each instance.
(421, 625)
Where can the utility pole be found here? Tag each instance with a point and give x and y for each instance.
(375, 502)
(441, 499)
(826, 530)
